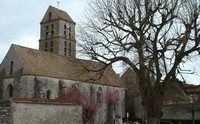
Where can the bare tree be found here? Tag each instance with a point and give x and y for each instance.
(153, 37)
(111, 98)
(75, 95)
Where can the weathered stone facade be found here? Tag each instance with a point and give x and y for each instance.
(27, 85)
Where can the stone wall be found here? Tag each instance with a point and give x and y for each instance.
(45, 112)
(5, 111)
(181, 112)
(27, 85)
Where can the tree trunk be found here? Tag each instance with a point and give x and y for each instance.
(152, 106)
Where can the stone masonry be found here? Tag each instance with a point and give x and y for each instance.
(5, 111)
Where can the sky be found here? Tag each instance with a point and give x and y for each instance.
(20, 20)
(20, 24)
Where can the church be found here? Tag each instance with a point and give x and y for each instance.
(32, 73)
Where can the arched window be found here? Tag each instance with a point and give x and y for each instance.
(100, 95)
(9, 91)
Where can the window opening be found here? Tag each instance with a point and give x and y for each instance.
(47, 27)
(51, 46)
(70, 49)
(49, 15)
(47, 34)
(100, 95)
(52, 33)
(52, 27)
(11, 67)
(46, 45)
(61, 85)
(65, 34)
(9, 91)
(48, 94)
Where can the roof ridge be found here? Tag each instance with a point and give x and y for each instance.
(62, 14)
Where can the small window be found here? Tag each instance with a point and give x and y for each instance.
(70, 36)
(48, 94)
(52, 27)
(65, 51)
(52, 33)
(92, 93)
(46, 45)
(51, 49)
(70, 49)
(47, 34)
(49, 15)
(65, 27)
(100, 96)
(47, 27)
(65, 34)
(61, 85)
(65, 48)
(10, 90)
(11, 67)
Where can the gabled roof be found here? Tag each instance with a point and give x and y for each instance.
(191, 88)
(37, 62)
(60, 14)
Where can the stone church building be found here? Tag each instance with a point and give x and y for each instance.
(32, 73)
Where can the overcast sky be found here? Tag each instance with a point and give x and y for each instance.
(20, 20)
(20, 24)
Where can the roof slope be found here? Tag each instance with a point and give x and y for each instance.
(52, 65)
(59, 13)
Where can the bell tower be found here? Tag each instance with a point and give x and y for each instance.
(57, 33)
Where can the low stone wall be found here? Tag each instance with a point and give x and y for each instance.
(45, 112)
(5, 111)
(181, 112)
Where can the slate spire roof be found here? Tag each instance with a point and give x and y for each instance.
(60, 14)
(35, 62)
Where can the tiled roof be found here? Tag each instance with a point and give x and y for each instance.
(61, 14)
(37, 62)
(40, 101)
(191, 88)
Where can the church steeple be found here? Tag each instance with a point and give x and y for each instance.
(57, 33)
